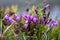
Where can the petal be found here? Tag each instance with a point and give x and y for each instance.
(11, 20)
(47, 6)
(25, 25)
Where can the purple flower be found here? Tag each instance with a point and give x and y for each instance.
(6, 17)
(16, 17)
(36, 11)
(31, 17)
(28, 17)
(11, 20)
(44, 21)
(26, 21)
(53, 23)
(24, 16)
(26, 24)
(47, 6)
(35, 19)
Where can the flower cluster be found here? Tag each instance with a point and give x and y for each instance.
(8, 18)
(35, 18)
(32, 23)
(52, 23)
(30, 18)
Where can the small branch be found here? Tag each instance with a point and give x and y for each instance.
(7, 29)
(1, 28)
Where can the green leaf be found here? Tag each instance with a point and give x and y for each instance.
(30, 12)
(40, 13)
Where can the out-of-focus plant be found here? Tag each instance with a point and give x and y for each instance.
(36, 25)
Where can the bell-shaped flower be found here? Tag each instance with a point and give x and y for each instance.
(35, 19)
(26, 24)
(52, 23)
(16, 17)
(11, 20)
(6, 17)
(47, 6)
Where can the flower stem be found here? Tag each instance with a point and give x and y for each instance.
(7, 29)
